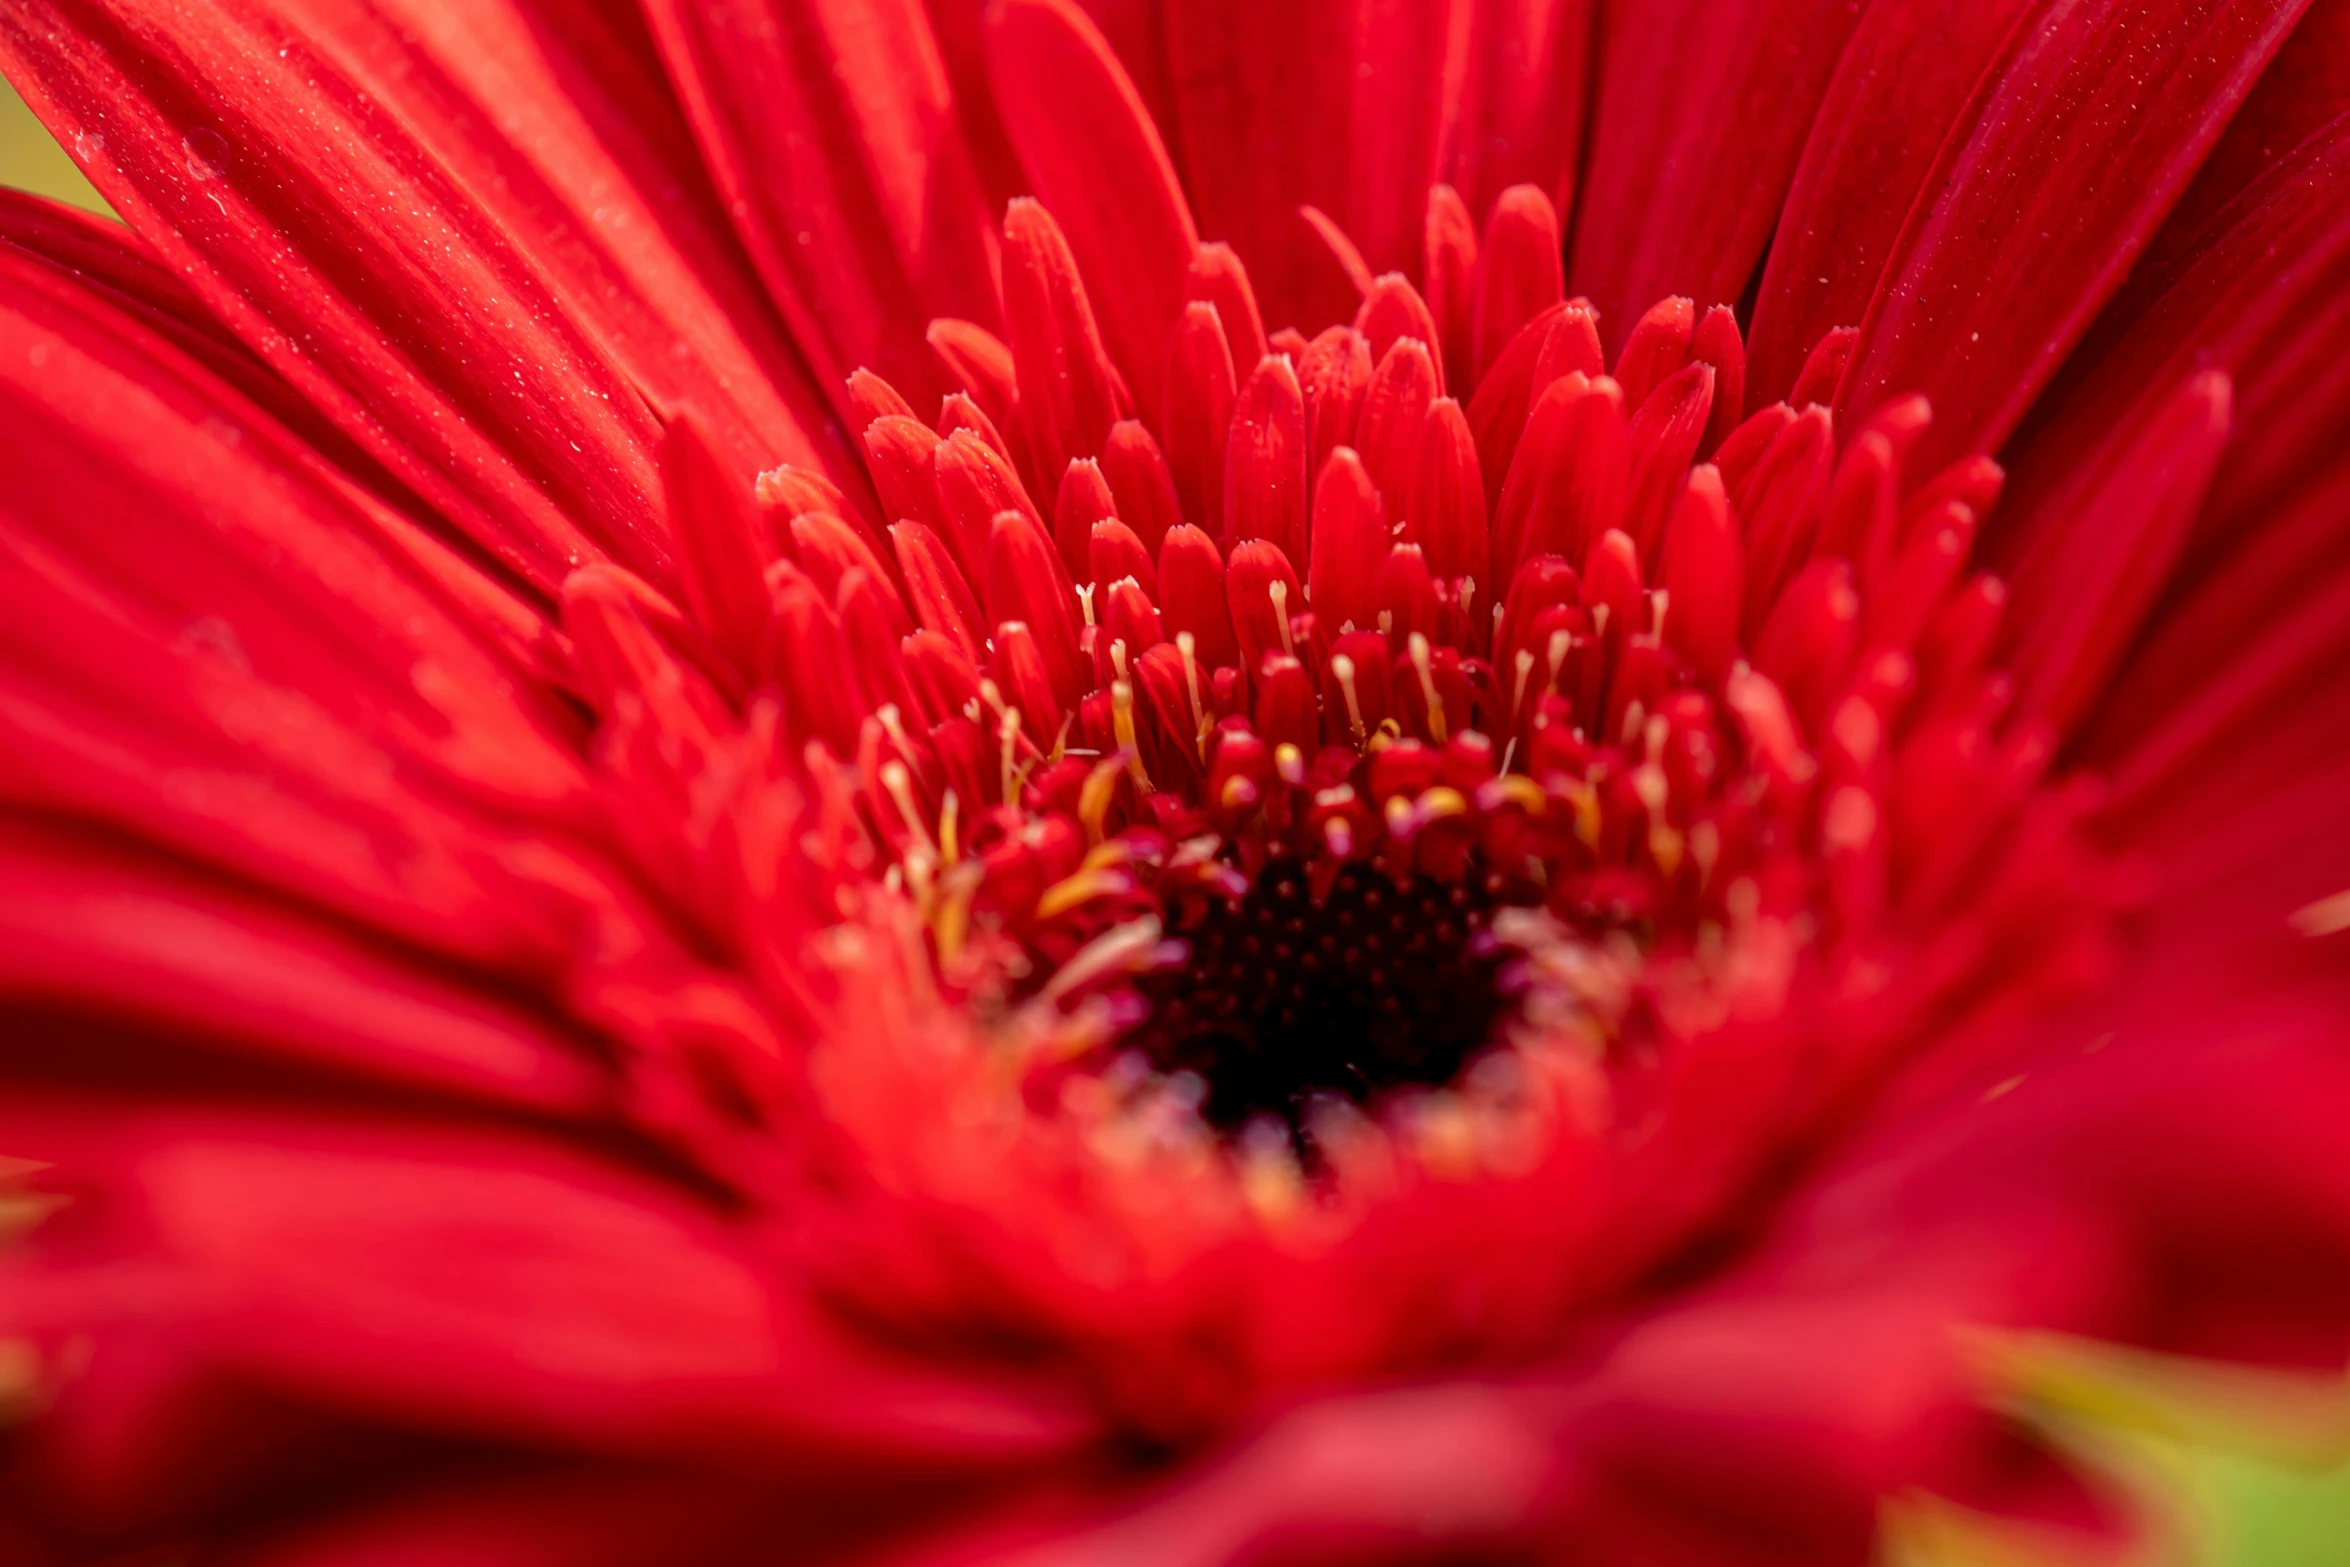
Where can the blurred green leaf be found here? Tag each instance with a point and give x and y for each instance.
(2219, 1465)
(30, 158)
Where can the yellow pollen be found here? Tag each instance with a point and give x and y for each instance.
(1290, 763)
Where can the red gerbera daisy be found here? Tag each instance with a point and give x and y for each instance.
(798, 779)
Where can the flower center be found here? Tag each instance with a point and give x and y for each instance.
(1326, 979)
(1434, 767)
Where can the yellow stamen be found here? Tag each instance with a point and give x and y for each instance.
(1093, 801)
(1423, 663)
(1278, 592)
(1122, 720)
(1343, 668)
(1188, 647)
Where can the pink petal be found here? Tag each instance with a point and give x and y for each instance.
(2071, 154)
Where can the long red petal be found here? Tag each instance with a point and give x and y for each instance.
(2071, 153)
(1095, 160)
(1905, 76)
(831, 128)
(1522, 98)
(1702, 112)
(419, 320)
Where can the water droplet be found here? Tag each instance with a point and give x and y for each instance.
(208, 153)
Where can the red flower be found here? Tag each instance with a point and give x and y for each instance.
(1355, 910)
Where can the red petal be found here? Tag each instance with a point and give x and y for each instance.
(871, 398)
(1260, 105)
(1260, 589)
(1718, 344)
(403, 1273)
(1191, 583)
(110, 259)
(1140, 480)
(1201, 388)
(1702, 112)
(1778, 505)
(978, 360)
(1404, 77)
(1566, 484)
(904, 457)
(1520, 270)
(975, 485)
(717, 542)
(1448, 268)
(1068, 391)
(423, 322)
(1808, 642)
(1349, 546)
(1393, 309)
(1704, 576)
(1084, 500)
(2082, 591)
(1394, 408)
(1116, 553)
(1446, 517)
(935, 586)
(832, 132)
(1522, 99)
(1027, 582)
(1661, 442)
(90, 930)
(1217, 276)
(1334, 373)
(1552, 344)
(1265, 462)
(235, 621)
(1904, 77)
(1658, 347)
(2262, 297)
(2297, 96)
(1094, 158)
(1997, 276)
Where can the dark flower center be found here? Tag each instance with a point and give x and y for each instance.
(1354, 987)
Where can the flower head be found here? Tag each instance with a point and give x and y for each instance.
(1495, 833)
